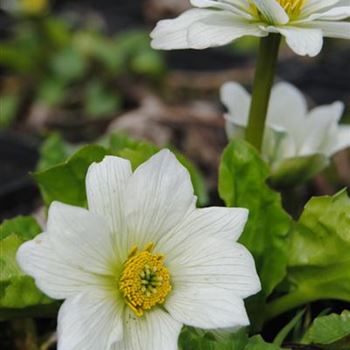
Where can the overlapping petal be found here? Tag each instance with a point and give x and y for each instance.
(201, 225)
(211, 278)
(81, 238)
(53, 275)
(159, 195)
(105, 190)
(91, 320)
(154, 330)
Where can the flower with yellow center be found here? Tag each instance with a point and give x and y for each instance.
(211, 23)
(142, 260)
(145, 281)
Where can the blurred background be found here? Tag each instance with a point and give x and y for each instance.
(73, 72)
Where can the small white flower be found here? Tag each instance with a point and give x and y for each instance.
(142, 260)
(303, 23)
(292, 130)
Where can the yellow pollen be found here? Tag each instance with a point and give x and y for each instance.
(292, 7)
(145, 281)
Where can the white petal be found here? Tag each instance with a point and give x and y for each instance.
(52, 274)
(171, 34)
(214, 263)
(334, 14)
(237, 101)
(207, 308)
(218, 29)
(81, 238)
(203, 224)
(343, 139)
(105, 189)
(287, 108)
(318, 125)
(154, 330)
(303, 41)
(90, 321)
(159, 195)
(311, 6)
(339, 30)
(233, 130)
(277, 145)
(272, 11)
(238, 8)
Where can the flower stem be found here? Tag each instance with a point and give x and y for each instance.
(264, 75)
(286, 303)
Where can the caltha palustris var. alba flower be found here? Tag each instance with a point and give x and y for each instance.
(142, 260)
(211, 23)
(292, 130)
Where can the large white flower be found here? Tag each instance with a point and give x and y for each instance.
(142, 260)
(303, 23)
(292, 130)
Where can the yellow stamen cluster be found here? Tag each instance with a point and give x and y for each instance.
(145, 281)
(292, 7)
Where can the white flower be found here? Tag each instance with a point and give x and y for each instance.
(292, 130)
(303, 23)
(142, 260)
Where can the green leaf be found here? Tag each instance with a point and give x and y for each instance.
(17, 291)
(257, 343)
(9, 109)
(330, 329)
(242, 183)
(53, 151)
(193, 339)
(148, 62)
(319, 246)
(66, 182)
(283, 333)
(24, 227)
(52, 91)
(99, 101)
(68, 64)
(101, 49)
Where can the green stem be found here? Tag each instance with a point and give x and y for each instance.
(286, 303)
(264, 75)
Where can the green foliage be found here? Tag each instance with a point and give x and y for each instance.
(319, 246)
(70, 188)
(17, 291)
(9, 108)
(99, 101)
(66, 182)
(242, 183)
(59, 66)
(257, 343)
(331, 330)
(68, 64)
(24, 226)
(53, 151)
(292, 324)
(192, 339)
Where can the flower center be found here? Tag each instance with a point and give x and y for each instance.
(145, 281)
(292, 7)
